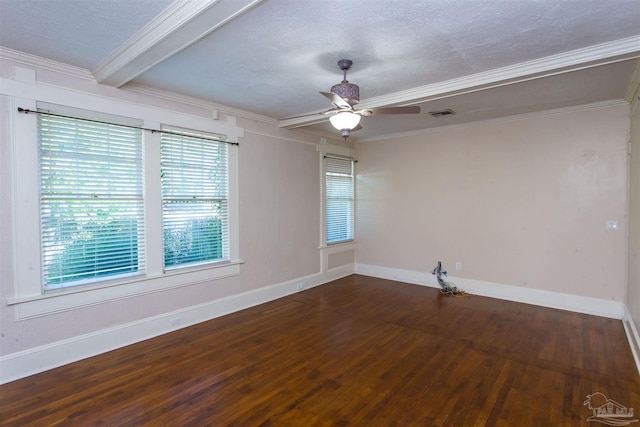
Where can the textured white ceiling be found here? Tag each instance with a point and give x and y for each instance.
(547, 93)
(76, 32)
(274, 57)
(290, 47)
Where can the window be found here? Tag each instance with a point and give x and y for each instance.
(339, 187)
(88, 211)
(194, 199)
(92, 206)
(91, 200)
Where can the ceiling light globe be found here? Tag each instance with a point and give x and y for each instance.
(345, 120)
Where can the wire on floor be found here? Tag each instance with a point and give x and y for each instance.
(447, 288)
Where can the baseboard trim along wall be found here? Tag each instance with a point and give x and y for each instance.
(32, 361)
(576, 303)
(632, 336)
(35, 360)
(550, 299)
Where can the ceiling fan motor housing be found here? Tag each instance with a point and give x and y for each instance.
(347, 91)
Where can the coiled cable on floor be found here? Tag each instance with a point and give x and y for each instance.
(447, 288)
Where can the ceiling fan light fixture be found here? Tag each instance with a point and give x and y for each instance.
(345, 120)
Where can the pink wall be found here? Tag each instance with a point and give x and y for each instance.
(279, 209)
(520, 202)
(279, 224)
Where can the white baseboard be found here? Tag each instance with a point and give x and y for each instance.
(576, 303)
(32, 361)
(633, 337)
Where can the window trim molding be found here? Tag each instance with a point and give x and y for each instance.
(350, 225)
(323, 150)
(84, 296)
(54, 133)
(29, 297)
(226, 249)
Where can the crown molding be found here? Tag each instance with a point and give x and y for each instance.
(515, 117)
(44, 63)
(575, 60)
(196, 102)
(82, 73)
(180, 25)
(280, 137)
(158, 29)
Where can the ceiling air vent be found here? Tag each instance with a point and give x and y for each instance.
(442, 113)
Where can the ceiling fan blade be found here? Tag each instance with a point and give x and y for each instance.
(356, 128)
(391, 110)
(336, 100)
(319, 113)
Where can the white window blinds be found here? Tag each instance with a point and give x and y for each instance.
(91, 200)
(339, 181)
(194, 199)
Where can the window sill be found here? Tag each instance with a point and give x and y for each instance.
(342, 245)
(69, 299)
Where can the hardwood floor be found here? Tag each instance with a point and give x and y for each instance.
(359, 352)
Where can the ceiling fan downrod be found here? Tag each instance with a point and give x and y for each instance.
(345, 65)
(347, 91)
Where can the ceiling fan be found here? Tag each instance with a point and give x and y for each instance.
(344, 97)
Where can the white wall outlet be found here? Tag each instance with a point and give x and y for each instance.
(458, 265)
(611, 225)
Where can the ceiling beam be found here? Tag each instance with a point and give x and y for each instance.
(592, 56)
(180, 25)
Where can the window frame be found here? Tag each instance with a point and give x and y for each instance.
(351, 226)
(52, 133)
(201, 197)
(30, 298)
(330, 149)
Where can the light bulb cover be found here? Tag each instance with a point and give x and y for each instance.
(345, 120)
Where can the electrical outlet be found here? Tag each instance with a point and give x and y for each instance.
(611, 225)
(458, 265)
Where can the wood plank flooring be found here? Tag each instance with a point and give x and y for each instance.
(355, 352)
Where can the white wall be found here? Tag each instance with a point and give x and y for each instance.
(520, 202)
